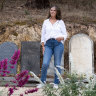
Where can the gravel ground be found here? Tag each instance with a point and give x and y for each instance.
(21, 91)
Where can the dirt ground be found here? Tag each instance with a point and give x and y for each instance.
(14, 10)
(21, 91)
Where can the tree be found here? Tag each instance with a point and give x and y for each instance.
(37, 4)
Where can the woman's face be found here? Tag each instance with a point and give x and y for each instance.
(53, 12)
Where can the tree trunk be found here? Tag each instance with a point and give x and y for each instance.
(37, 4)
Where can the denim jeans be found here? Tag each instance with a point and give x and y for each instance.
(52, 47)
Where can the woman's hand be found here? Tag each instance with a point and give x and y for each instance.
(59, 39)
(43, 49)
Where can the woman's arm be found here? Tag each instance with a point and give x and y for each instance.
(63, 30)
(43, 48)
(43, 32)
(42, 37)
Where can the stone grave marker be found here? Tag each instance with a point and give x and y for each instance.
(81, 58)
(7, 50)
(30, 56)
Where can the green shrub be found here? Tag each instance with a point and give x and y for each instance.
(74, 85)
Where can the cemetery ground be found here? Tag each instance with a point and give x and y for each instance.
(21, 91)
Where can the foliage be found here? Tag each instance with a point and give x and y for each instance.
(20, 79)
(74, 85)
(49, 91)
(26, 12)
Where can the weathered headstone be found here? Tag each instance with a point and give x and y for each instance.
(30, 56)
(51, 69)
(81, 54)
(7, 50)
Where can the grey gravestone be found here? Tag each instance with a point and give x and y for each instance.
(81, 58)
(7, 50)
(51, 69)
(30, 56)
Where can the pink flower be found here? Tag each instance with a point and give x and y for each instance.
(25, 80)
(10, 91)
(14, 87)
(3, 74)
(5, 64)
(14, 58)
(21, 75)
(6, 85)
(31, 90)
(22, 78)
(21, 94)
(8, 71)
(26, 92)
(12, 67)
(16, 55)
(13, 62)
(13, 81)
(1, 65)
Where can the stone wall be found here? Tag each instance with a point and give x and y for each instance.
(17, 33)
(20, 33)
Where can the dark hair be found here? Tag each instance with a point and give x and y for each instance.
(58, 14)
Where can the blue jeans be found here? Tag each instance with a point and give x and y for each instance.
(52, 46)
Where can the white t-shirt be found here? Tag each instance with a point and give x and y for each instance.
(55, 30)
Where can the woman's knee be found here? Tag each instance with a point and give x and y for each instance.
(45, 65)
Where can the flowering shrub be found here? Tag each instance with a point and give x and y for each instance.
(4, 63)
(14, 58)
(3, 67)
(73, 85)
(20, 79)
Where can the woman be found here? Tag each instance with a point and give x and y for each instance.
(52, 39)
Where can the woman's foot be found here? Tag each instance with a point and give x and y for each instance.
(55, 86)
(40, 85)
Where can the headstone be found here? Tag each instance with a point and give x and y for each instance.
(7, 49)
(30, 56)
(81, 54)
(51, 70)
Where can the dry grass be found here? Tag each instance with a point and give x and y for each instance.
(13, 12)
